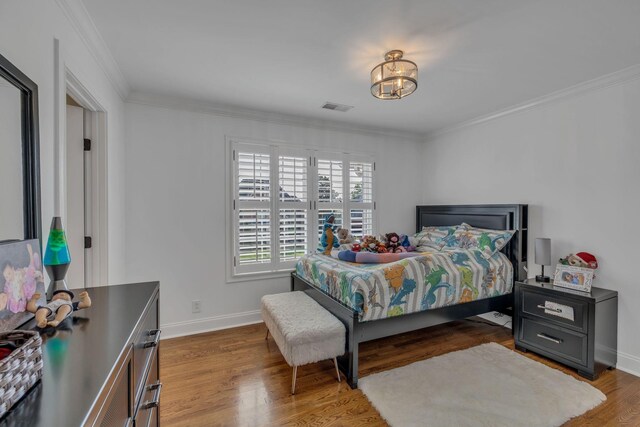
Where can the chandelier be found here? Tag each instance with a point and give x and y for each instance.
(394, 78)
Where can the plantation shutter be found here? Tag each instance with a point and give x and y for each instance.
(360, 203)
(293, 206)
(281, 195)
(330, 189)
(252, 204)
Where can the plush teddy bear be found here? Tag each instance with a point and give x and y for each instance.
(581, 259)
(344, 236)
(393, 243)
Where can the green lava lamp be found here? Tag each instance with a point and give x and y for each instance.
(56, 257)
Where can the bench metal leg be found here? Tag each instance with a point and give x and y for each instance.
(293, 380)
(335, 363)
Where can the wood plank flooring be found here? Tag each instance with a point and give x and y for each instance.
(236, 378)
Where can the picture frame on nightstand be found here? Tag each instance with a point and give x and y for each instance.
(577, 278)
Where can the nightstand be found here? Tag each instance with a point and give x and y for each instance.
(577, 329)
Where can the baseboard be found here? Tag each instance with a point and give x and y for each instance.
(629, 363)
(209, 324)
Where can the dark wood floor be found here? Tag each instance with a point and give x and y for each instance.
(235, 377)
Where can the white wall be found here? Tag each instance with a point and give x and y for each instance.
(27, 32)
(576, 163)
(176, 206)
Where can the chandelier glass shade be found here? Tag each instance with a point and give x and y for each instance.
(395, 78)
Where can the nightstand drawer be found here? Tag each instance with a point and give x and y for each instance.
(534, 303)
(563, 343)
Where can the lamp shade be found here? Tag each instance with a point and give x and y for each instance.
(543, 251)
(57, 252)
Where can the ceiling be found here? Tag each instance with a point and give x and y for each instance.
(475, 57)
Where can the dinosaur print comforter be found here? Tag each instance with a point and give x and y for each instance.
(432, 280)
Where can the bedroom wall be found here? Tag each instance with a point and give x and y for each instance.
(27, 32)
(575, 162)
(176, 206)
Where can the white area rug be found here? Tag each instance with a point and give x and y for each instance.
(487, 385)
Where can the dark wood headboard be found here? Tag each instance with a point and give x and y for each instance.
(495, 217)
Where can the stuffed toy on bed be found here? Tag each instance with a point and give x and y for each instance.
(328, 240)
(393, 243)
(344, 237)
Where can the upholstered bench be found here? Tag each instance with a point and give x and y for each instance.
(304, 331)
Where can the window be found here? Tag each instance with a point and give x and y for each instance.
(274, 225)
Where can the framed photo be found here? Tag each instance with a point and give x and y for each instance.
(577, 278)
(20, 279)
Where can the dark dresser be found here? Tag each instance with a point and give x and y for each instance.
(574, 328)
(100, 365)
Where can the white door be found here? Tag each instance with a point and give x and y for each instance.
(74, 222)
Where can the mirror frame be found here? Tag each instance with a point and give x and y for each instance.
(30, 148)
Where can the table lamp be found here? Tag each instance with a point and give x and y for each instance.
(543, 257)
(56, 257)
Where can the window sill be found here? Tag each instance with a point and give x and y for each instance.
(250, 277)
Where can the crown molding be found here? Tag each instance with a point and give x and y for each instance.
(81, 21)
(182, 104)
(618, 77)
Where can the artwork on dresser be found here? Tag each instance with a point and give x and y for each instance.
(578, 278)
(21, 277)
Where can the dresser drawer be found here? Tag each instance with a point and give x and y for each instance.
(144, 348)
(534, 303)
(566, 344)
(147, 415)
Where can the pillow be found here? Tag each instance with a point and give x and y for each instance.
(436, 237)
(487, 241)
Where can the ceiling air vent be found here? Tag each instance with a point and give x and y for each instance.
(336, 107)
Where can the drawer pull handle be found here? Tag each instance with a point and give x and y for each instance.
(156, 334)
(544, 307)
(156, 399)
(548, 338)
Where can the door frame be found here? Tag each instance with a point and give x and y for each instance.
(67, 82)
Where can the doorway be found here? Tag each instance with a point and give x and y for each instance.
(79, 187)
(83, 184)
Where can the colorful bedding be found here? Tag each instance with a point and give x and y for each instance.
(430, 280)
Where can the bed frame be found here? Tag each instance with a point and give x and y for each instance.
(497, 217)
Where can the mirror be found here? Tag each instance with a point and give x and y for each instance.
(11, 197)
(19, 155)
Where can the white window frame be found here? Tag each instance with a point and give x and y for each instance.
(277, 268)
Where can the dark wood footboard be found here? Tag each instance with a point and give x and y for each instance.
(358, 332)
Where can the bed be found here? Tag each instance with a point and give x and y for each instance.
(373, 302)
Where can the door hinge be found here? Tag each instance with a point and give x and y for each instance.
(87, 242)
(234, 204)
(234, 261)
(234, 155)
(374, 166)
(87, 144)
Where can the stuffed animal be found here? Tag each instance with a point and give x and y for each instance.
(581, 259)
(344, 236)
(406, 243)
(58, 309)
(370, 244)
(328, 240)
(393, 243)
(356, 247)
